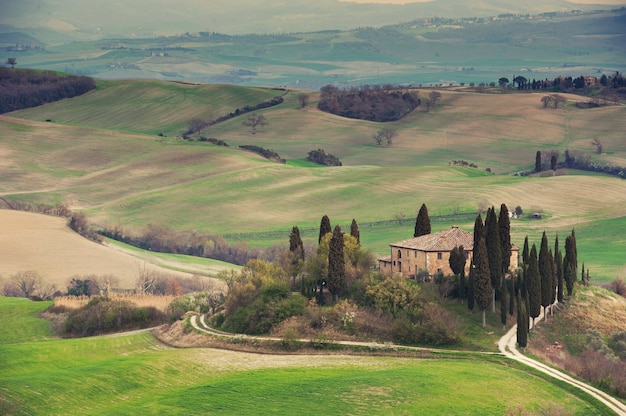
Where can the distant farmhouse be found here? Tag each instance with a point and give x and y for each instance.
(431, 252)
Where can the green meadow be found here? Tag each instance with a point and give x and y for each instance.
(135, 374)
(102, 155)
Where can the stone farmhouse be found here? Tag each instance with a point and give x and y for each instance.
(431, 252)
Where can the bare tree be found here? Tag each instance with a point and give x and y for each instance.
(254, 121)
(598, 144)
(147, 280)
(45, 290)
(106, 283)
(26, 282)
(196, 125)
(303, 99)
(557, 99)
(546, 100)
(432, 100)
(12, 62)
(386, 134)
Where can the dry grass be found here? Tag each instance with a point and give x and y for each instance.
(46, 245)
(157, 301)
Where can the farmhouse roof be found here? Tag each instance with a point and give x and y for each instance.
(441, 241)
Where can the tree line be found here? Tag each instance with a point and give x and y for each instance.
(25, 88)
(368, 103)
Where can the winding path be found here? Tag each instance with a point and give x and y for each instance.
(506, 346)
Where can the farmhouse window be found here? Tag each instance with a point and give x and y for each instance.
(399, 254)
(439, 256)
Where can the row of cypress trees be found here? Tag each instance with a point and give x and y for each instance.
(543, 278)
(335, 278)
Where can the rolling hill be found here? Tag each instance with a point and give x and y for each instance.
(122, 178)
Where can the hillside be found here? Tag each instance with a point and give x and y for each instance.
(131, 180)
(46, 245)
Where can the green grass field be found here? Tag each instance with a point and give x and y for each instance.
(135, 374)
(111, 165)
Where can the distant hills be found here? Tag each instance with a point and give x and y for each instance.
(140, 18)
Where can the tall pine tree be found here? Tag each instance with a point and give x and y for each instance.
(494, 252)
(534, 285)
(354, 231)
(482, 278)
(545, 271)
(569, 264)
(296, 249)
(504, 228)
(325, 228)
(336, 264)
(522, 323)
(422, 222)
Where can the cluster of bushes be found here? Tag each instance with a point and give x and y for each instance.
(25, 88)
(262, 298)
(266, 153)
(216, 142)
(102, 315)
(604, 363)
(368, 103)
(78, 222)
(320, 157)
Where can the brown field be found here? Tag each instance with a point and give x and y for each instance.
(46, 245)
(159, 302)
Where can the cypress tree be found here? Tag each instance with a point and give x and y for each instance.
(470, 289)
(538, 161)
(296, 248)
(503, 303)
(457, 264)
(336, 264)
(512, 284)
(504, 229)
(354, 231)
(522, 323)
(422, 222)
(525, 252)
(534, 285)
(479, 230)
(558, 260)
(569, 264)
(494, 253)
(482, 278)
(545, 271)
(325, 228)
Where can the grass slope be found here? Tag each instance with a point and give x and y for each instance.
(134, 374)
(134, 180)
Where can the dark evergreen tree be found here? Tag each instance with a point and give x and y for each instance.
(522, 323)
(558, 261)
(325, 228)
(336, 264)
(504, 228)
(494, 253)
(295, 243)
(482, 278)
(479, 229)
(534, 285)
(503, 303)
(354, 231)
(569, 264)
(525, 251)
(470, 288)
(545, 273)
(538, 162)
(511, 287)
(296, 249)
(457, 264)
(422, 222)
